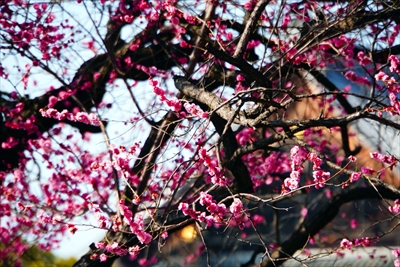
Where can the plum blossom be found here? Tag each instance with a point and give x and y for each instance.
(195, 110)
(217, 175)
(52, 101)
(383, 158)
(315, 160)
(381, 76)
(297, 158)
(236, 207)
(394, 63)
(320, 178)
(396, 252)
(346, 244)
(355, 176)
(66, 115)
(102, 220)
(215, 212)
(364, 60)
(116, 249)
(100, 245)
(353, 223)
(136, 226)
(133, 251)
(10, 143)
(72, 228)
(144, 237)
(364, 241)
(396, 207)
(103, 257)
(291, 183)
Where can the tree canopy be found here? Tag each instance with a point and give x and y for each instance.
(257, 122)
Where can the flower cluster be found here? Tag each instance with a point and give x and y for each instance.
(217, 175)
(102, 220)
(396, 253)
(298, 157)
(363, 241)
(136, 226)
(216, 211)
(364, 60)
(297, 160)
(238, 216)
(346, 244)
(352, 76)
(195, 110)
(394, 63)
(66, 115)
(383, 158)
(115, 249)
(355, 176)
(174, 103)
(319, 175)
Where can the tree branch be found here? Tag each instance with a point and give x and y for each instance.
(312, 225)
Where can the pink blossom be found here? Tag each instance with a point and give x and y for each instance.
(175, 104)
(82, 117)
(52, 101)
(175, 20)
(184, 207)
(250, 45)
(113, 76)
(383, 158)
(315, 160)
(394, 63)
(100, 245)
(189, 18)
(195, 110)
(353, 223)
(351, 75)
(134, 47)
(144, 237)
(205, 199)
(96, 76)
(285, 22)
(381, 76)
(103, 257)
(352, 158)
(291, 183)
(364, 241)
(248, 5)
(346, 244)
(217, 176)
(133, 251)
(320, 177)
(396, 252)
(396, 207)
(366, 170)
(355, 176)
(240, 78)
(72, 228)
(10, 143)
(236, 207)
(364, 60)
(164, 235)
(160, 92)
